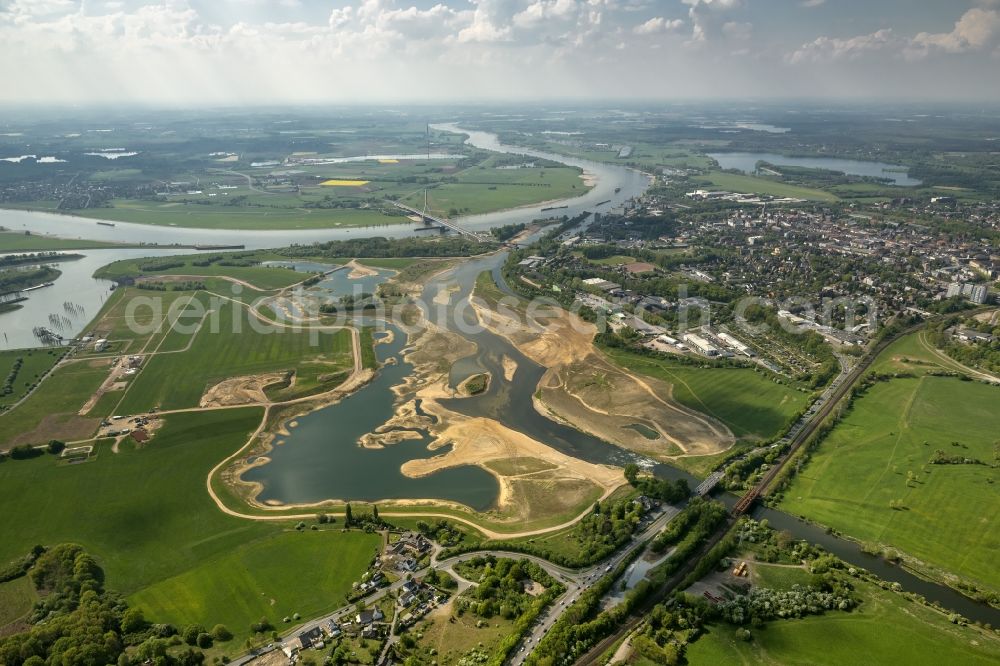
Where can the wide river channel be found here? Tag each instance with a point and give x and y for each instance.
(321, 459)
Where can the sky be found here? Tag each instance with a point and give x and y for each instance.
(271, 52)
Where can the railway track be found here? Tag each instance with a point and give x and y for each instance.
(593, 656)
(810, 427)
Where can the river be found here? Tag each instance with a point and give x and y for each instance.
(310, 465)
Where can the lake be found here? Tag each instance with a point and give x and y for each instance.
(747, 163)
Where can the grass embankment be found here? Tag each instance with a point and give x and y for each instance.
(367, 342)
(146, 516)
(229, 345)
(11, 241)
(178, 214)
(750, 403)
(943, 514)
(885, 629)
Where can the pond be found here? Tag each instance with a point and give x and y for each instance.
(321, 458)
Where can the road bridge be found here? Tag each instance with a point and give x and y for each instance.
(447, 224)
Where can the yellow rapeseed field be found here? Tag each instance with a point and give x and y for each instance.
(344, 183)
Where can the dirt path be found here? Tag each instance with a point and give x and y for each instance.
(242, 283)
(952, 364)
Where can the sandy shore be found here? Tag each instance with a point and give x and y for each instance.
(359, 270)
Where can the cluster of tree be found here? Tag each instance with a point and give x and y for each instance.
(8, 383)
(668, 629)
(772, 546)
(661, 489)
(156, 265)
(763, 604)
(379, 247)
(583, 623)
(20, 567)
(366, 521)
(188, 285)
(16, 279)
(350, 303)
(440, 579)
(691, 526)
(942, 458)
(78, 622)
(28, 451)
(501, 589)
(443, 532)
(597, 535)
(9, 260)
(508, 231)
(234, 260)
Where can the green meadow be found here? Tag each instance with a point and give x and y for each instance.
(752, 185)
(288, 572)
(942, 514)
(50, 412)
(219, 216)
(34, 364)
(885, 629)
(752, 404)
(228, 344)
(261, 277)
(475, 191)
(16, 599)
(146, 515)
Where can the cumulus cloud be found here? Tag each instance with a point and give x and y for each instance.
(828, 49)
(737, 30)
(658, 25)
(709, 16)
(976, 30)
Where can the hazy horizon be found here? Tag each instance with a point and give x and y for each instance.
(350, 52)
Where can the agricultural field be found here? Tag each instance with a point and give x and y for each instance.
(750, 403)
(178, 214)
(145, 515)
(306, 572)
(229, 345)
(873, 479)
(20, 368)
(485, 189)
(886, 628)
(732, 182)
(135, 320)
(647, 155)
(51, 411)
